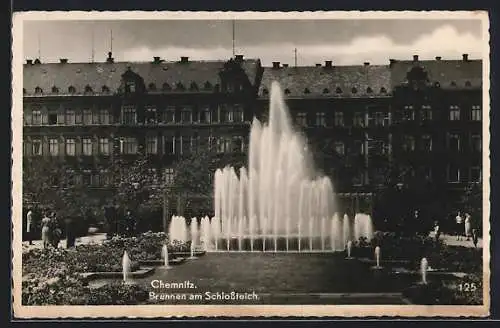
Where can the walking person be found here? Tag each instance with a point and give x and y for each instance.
(70, 232)
(56, 231)
(459, 225)
(29, 226)
(475, 237)
(437, 231)
(46, 231)
(467, 226)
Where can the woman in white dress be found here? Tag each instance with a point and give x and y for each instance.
(467, 226)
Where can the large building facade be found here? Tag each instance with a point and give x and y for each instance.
(367, 125)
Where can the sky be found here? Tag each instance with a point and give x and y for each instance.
(345, 42)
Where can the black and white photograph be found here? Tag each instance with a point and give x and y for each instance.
(250, 164)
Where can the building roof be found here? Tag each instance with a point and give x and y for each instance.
(106, 77)
(448, 74)
(335, 81)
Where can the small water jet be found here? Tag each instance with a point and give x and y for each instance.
(127, 268)
(424, 266)
(377, 258)
(164, 252)
(192, 250)
(349, 249)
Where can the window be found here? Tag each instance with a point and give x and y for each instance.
(383, 90)
(71, 89)
(104, 177)
(52, 117)
(302, 119)
(70, 117)
(453, 174)
(87, 147)
(78, 117)
(152, 87)
(55, 89)
(105, 89)
(169, 145)
(36, 117)
(53, 147)
(70, 147)
(338, 90)
(129, 146)
(307, 91)
(237, 144)
(166, 87)
(87, 117)
(358, 119)
(408, 143)
(454, 113)
(168, 175)
(287, 91)
(130, 86)
(320, 119)
(476, 113)
(207, 86)
(475, 174)
(339, 148)
(129, 115)
(169, 115)
(354, 90)
(220, 145)
(476, 143)
(426, 143)
(185, 145)
(104, 116)
(468, 84)
(104, 146)
(325, 90)
(426, 113)
(152, 145)
(38, 90)
(454, 142)
(358, 147)
(339, 119)
(265, 92)
(186, 115)
(408, 114)
(379, 119)
(95, 180)
(179, 86)
(88, 89)
(205, 115)
(193, 87)
(150, 114)
(36, 145)
(238, 113)
(427, 173)
(226, 114)
(358, 178)
(87, 177)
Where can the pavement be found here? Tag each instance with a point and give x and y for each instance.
(96, 238)
(451, 240)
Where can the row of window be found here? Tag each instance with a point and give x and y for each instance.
(129, 116)
(338, 91)
(130, 146)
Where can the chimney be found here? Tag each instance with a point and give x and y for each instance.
(276, 64)
(63, 60)
(328, 63)
(184, 59)
(415, 57)
(110, 58)
(465, 57)
(285, 65)
(366, 63)
(318, 65)
(438, 58)
(29, 61)
(157, 60)
(238, 58)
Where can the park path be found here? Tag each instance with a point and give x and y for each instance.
(96, 238)
(452, 241)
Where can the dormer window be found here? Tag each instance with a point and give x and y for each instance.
(307, 91)
(287, 91)
(55, 89)
(207, 86)
(383, 90)
(338, 90)
(179, 86)
(71, 89)
(88, 89)
(453, 84)
(265, 91)
(354, 90)
(325, 90)
(105, 89)
(38, 90)
(467, 84)
(437, 84)
(166, 87)
(152, 87)
(369, 90)
(193, 87)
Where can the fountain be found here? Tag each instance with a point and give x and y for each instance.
(126, 265)
(178, 229)
(279, 202)
(164, 252)
(377, 258)
(424, 266)
(192, 251)
(349, 248)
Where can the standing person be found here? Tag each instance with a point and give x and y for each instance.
(46, 231)
(459, 225)
(437, 231)
(467, 226)
(475, 237)
(56, 231)
(70, 232)
(29, 226)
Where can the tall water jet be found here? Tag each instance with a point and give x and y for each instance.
(192, 249)
(126, 267)
(349, 250)
(164, 253)
(205, 234)
(377, 258)
(178, 229)
(194, 231)
(424, 266)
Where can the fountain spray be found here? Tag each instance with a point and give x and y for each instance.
(164, 251)
(349, 248)
(126, 264)
(424, 266)
(377, 257)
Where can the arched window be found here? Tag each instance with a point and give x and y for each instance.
(152, 86)
(383, 90)
(88, 89)
(338, 90)
(38, 90)
(369, 90)
(166, 87)
(55, 89)
(354, 90)
(325, 90)
(71, 89)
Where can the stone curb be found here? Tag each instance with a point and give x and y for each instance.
(175, 261)
(102, 275)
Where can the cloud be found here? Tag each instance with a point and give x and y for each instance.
(444, 41)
